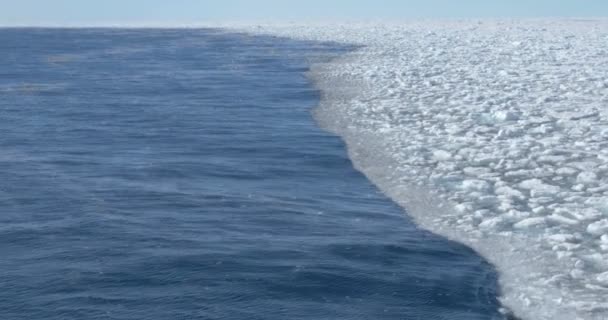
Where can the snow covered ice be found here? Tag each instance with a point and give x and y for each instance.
(491, 133)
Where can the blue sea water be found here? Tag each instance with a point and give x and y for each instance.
(179, 174)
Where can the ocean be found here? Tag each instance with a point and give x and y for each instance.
(179, 174)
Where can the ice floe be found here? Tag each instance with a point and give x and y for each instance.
(491, 133)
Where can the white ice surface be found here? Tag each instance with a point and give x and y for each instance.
(491, 133)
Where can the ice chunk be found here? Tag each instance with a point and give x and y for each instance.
(566, 171)
(560, 237)
(506, 115)
(492, 223)
(539, 189)
(603, 279)
(530, 222)
(586, 177)
(441, 155)
(563, 220)
(475, 185)
(510, 192)
(598, 228)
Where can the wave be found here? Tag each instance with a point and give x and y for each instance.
(26, 88)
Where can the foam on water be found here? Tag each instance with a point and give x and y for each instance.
(492, 133)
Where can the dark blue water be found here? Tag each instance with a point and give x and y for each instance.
(178, 174)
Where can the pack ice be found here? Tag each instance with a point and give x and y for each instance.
(491, 133)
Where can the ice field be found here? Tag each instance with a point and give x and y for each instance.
(491, 133)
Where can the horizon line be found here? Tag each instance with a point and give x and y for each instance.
(261, 22)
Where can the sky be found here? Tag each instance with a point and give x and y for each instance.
(95, 12)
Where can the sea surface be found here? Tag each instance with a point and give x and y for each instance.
(179, 174)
